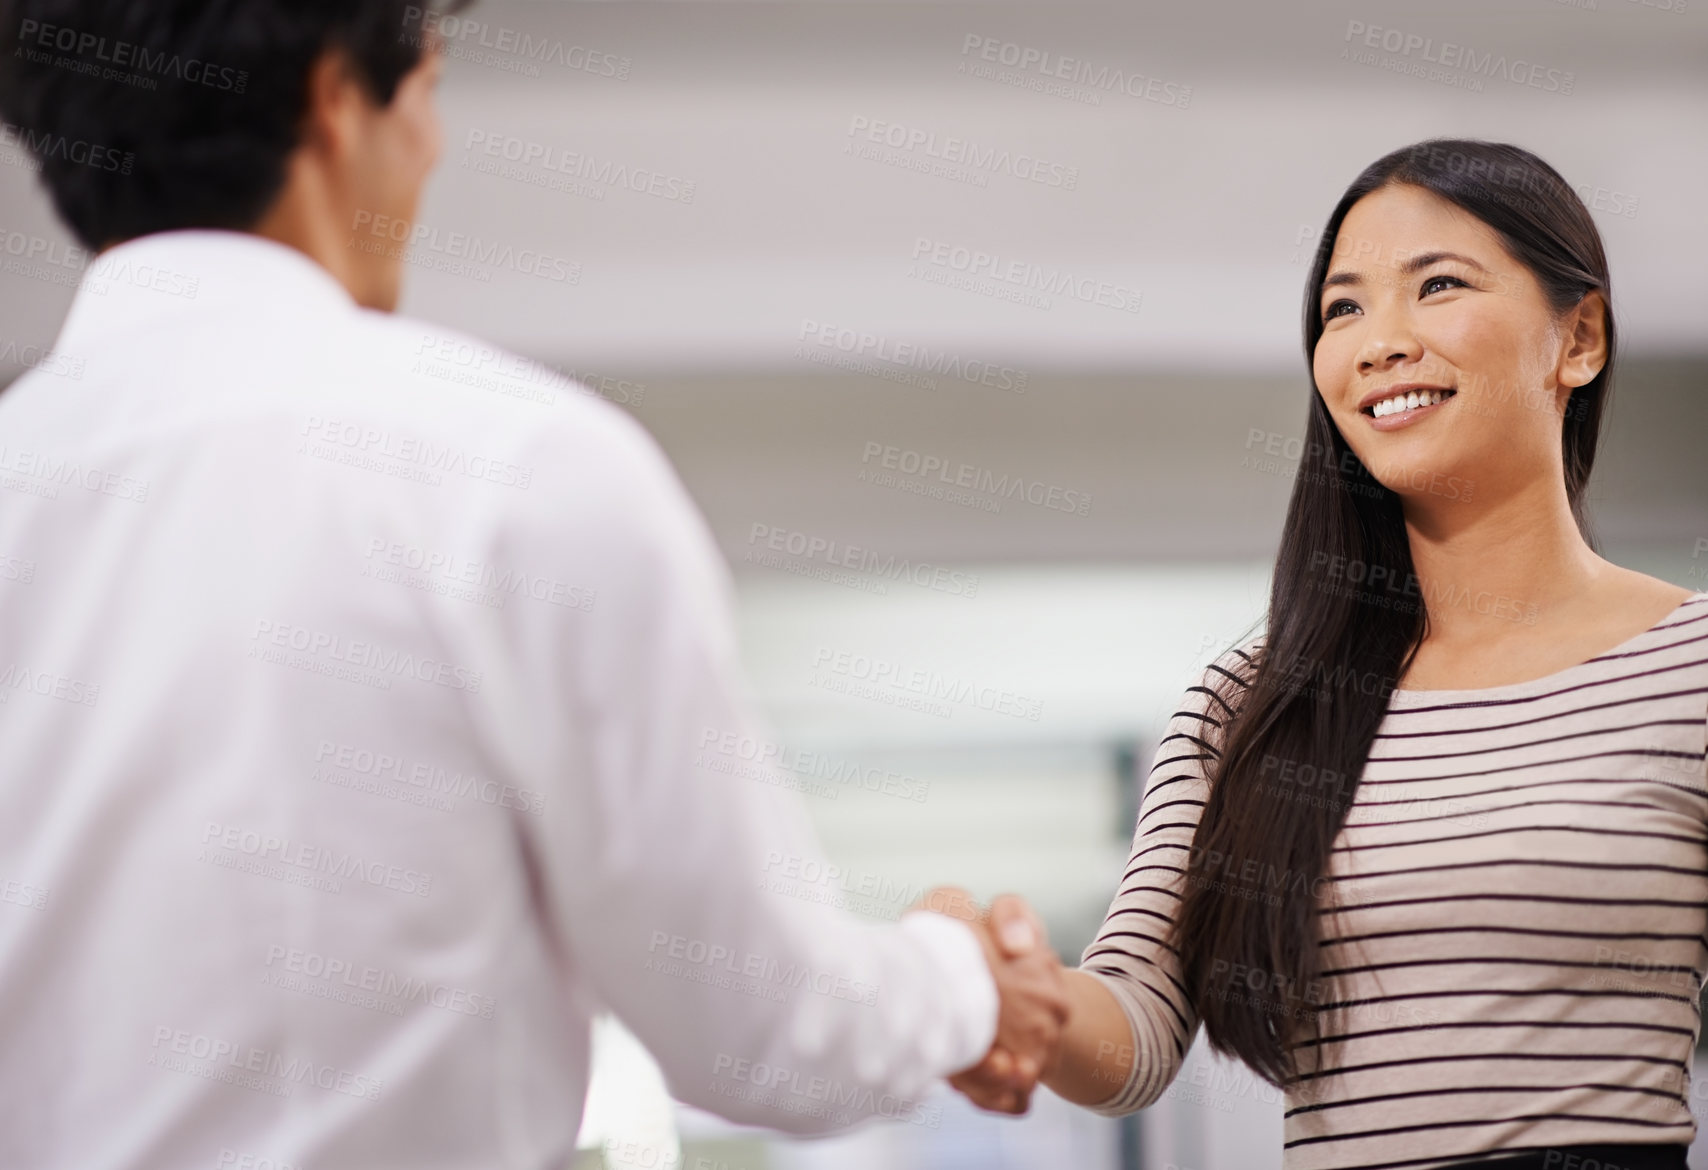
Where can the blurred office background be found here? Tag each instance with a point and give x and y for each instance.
(759, 218)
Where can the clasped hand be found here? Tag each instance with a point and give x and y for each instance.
(1034, 1004)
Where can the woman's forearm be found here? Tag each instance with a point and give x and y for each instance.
(1097, 1044)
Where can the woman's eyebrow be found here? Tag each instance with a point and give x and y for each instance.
(1421, 260)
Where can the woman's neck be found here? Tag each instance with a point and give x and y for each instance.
(1490, 569)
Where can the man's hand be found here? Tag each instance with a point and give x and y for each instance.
(1034, 1000)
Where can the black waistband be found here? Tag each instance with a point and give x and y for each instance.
(1616, 1157)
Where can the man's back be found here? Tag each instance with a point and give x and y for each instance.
(268, 591)
(348, 707)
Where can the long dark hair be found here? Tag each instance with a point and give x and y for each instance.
(1295, 736)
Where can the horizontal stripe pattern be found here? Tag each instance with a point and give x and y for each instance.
(1517, 922)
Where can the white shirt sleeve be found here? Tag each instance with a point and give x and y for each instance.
(681, 877)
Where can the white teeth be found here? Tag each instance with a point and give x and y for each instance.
(1408, 401)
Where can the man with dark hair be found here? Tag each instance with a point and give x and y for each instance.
(367, 726)
(208, 100)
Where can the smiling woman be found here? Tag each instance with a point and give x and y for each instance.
(1423, 952)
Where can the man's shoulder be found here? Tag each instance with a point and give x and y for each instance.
(470, 378)
(569, 480)
(438, 381)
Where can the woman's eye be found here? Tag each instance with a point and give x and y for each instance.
(1334, 310)
(1436, 284)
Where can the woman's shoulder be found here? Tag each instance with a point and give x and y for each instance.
(1220, 686)
(1237, 665)
(1628, 596)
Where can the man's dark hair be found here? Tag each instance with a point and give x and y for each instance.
(150, 115)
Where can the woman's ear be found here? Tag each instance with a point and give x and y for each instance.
(1585, 352)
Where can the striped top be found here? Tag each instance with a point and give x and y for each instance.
(1520, 896)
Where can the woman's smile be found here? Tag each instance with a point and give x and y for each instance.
(1403, 405)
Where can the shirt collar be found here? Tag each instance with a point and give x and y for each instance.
(155, 278)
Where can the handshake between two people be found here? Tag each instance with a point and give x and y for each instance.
(1032, 993)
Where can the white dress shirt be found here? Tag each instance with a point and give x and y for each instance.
(369, 720)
